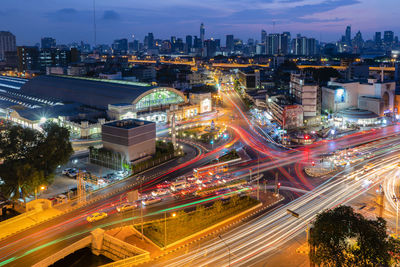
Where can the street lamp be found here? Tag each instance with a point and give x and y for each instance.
(229, 249)
(395, 199)
(165, 227)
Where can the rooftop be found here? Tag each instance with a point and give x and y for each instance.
(128, 123)
(91, 92)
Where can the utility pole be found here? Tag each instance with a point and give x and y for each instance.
(141, 210)
(258, 176)
(165, 229)
(395, 199)
(229, 250)
(381, 201)
(81, 188)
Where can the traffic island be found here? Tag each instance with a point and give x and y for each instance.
(180, 226)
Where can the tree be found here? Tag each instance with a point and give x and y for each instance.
(341, 237)
(31, 157)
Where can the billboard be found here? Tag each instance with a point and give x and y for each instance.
(340, 95)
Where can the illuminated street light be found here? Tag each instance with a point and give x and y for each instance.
(43, 120)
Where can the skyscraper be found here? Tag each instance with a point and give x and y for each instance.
(48, 42)
(229, 42)
(278, 43)
(189, 43)
(388, 37)
(348, 35)
(150, 40)
(273, 41)
(263, 36)
(202, 33)
(378, 38)
(7, 43)
(120, 46)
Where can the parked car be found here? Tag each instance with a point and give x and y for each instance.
(72, 173)
(96, 216)
(62, 199)
(126, 206)
(67, 170)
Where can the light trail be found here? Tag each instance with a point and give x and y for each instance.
(270, 231)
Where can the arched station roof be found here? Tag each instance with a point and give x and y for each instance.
(91, 92)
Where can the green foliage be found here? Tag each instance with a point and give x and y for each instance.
(185, 224)
(231, 155)
(341, 237)
(31, 157)
(164, 151)
(108, 158)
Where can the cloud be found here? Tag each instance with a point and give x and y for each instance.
(68, 15)
(67, 11)
(111, 15)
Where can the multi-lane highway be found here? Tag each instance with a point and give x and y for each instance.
(251, 241)
(254, 241)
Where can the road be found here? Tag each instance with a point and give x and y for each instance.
(248, 242)
(253, 242)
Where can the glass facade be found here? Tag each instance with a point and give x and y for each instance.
(157, 98)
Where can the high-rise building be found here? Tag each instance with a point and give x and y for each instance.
(278, 43)
(348, 35)
(229, 42)
(133, 46)
(388, 37)
(210, 47)
(150, 40)
(202, 34)
(378, 38)
(28, 58)
(273, 43)
(120, 46)
(263, 36)
(284, 43)
(7, 43)
(189, 43)
(311, 47)
(48, 42)
(304, 46)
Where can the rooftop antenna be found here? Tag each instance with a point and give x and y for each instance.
(94, 22)
(273, 26)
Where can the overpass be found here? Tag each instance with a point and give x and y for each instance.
(345, 67)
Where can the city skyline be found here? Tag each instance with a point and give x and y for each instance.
(73, 21)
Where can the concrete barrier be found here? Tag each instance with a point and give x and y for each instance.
(130, 261)
(84, 242)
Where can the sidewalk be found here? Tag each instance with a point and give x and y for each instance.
(30, 219)
(25, 221)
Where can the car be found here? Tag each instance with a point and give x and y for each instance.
(121, 173)
(67, 170)
(96, 216)
(72, 173)
(150, 201)
(126, 206)
(61, 199)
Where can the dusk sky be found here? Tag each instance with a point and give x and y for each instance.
(72, 20)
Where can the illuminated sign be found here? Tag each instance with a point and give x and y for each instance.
(340, 96)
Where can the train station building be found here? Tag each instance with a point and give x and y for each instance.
(84, 104)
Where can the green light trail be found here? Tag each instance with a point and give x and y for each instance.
(116, 222)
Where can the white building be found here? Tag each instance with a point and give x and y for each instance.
(305, 92)
(378, 97)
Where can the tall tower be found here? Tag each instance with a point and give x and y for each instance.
(348, 34)
(202, 33)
